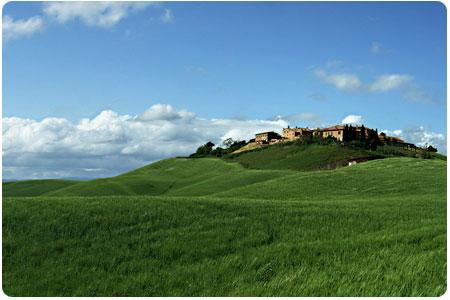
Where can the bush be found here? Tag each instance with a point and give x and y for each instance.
(203, 150)
(431, 149)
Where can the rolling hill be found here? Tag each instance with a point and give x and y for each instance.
(233, 227)
(200, 176)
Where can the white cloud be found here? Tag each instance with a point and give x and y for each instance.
(389, 82)
(111, 143)
(353, 119)
(23, 27)
(164, 112)
(102, 13)
(342, 81)
(382, 84)
(420, 136)
(168, 16)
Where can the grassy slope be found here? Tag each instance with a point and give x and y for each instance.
(180, 176)
(34, 187)
(300, 158)
(377, 228)
(194, 177)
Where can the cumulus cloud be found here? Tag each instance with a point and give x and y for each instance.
(102, 14)
(353, 119)
(168, 16)
(421, 136)
(342, 81)
(22, 27)
(389, 82)
(110, 143)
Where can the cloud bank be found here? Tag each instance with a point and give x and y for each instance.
(111, 143)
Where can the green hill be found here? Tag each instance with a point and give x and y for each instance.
(291, 156)
(33, 187)
(200, 176)
(176, 176)
(212, 227)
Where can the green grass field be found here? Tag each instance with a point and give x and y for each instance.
(291, 156)
(210, 227)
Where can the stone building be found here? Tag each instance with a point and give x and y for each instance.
(267, 137)
(295, 133)
(339, 133)
(336, 132)
(395, 141)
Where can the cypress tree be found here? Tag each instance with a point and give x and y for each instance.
(345, 133)
(351, 133)
(362, 136)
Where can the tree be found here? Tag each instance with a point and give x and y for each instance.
(431, 149)
(236, 145)
(228, 142)
(351, 133)
(373, 140)
(218, 152)
(345, 134)
(205, 149)
(362, 135)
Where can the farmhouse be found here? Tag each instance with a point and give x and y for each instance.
(336, 132)
(295, 133)
(395, 141)
(342, 133)
(267, 137)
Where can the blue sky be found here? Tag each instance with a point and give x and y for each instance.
(306, 63)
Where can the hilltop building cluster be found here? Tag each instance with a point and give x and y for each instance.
(342, 133)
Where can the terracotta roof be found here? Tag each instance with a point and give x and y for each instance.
(266, 132)
(332, 128)
(301, 128)
(395, 139)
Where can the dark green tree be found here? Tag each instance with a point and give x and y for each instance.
(228, 142)
(373, 140)
(345, 133)
(205, 149)
(431, 149)
(362, 136)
